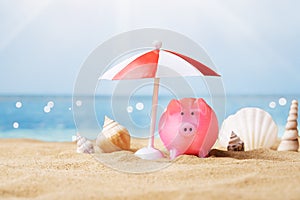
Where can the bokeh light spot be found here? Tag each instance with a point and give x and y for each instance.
(139, 106)
(19, 104)
(47, 109)
(272, 104)
(16, 125)
(129, 109)
(282, 101)
(78, 103)
(50, 104)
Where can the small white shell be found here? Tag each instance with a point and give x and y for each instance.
(114, 137)
(83, 144)
(254, 126)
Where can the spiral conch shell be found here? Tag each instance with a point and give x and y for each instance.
(289, 140)
(254, 126)
(114, 137)
(235, 143)
(83, 144)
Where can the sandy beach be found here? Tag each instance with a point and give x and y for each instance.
(44, 170)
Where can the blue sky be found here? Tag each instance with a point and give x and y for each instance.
(254, 43)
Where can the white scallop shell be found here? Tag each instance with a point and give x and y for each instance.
(254, 126)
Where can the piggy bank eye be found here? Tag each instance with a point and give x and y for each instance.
(192, 113)
(182, 113)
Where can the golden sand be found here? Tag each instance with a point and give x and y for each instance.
(43, 170)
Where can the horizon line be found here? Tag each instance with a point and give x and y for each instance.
(106, 95)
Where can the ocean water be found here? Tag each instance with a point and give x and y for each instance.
(57, 118)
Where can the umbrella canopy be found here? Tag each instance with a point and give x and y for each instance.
(157, 63)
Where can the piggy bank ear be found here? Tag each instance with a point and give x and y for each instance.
(202, 106)
(174, 107)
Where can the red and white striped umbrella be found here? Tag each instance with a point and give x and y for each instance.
(156, 63)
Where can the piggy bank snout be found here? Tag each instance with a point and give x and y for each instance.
(187, 129)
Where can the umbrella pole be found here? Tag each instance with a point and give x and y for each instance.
(153, 112)
(151, 153)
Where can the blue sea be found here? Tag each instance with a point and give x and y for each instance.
(57, 118)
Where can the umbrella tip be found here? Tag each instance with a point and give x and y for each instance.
(157, 44)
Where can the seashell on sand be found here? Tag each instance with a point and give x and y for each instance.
(289, 140)
(254, 126)
(83, 144)
(114, 137)
(235, 143)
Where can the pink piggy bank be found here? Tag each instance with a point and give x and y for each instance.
(188, 126)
